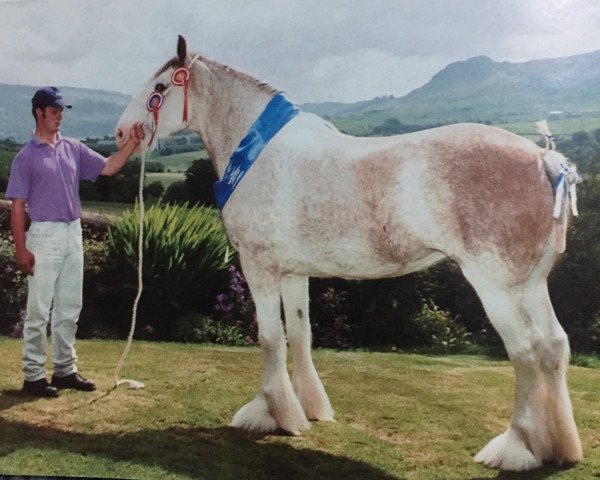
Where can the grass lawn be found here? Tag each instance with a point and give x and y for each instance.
(165, 178)
(179, 162)
(398, 416)
(106, 208)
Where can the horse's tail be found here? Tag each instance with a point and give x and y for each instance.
(564, 178)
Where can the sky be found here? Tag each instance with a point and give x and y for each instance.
(315, 50)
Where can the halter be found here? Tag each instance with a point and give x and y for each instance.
(179, 78)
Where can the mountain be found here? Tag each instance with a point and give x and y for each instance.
(94, 113)
(476, 89)
(480, 88)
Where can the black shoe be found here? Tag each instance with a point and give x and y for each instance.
(40, 388)
(75, 381)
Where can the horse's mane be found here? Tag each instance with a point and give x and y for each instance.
(264, 86)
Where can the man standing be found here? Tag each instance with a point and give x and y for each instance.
(45, 178)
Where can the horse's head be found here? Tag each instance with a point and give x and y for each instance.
(163, 104)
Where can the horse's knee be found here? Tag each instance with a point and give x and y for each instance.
(526, 352)
(556, 351)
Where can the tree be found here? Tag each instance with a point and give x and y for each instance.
(197, 189)
(155, 189)
(176, 193)
(580, 138)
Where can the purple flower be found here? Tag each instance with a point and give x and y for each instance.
(222, 297)
(8, 269)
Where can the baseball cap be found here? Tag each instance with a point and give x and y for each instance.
(48, 97)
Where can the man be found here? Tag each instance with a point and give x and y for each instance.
(45, 178)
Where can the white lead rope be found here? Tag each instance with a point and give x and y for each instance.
(134, 384)
(146, 148)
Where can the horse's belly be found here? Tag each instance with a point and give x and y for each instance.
(345, 259)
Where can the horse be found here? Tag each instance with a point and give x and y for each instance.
(316, 202)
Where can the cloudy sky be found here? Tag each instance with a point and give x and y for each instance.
(315, 50)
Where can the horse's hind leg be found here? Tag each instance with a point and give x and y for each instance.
(554, 360)
(306, 381)
(276, 405)
(538, 350)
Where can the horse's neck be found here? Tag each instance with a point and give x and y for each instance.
(225, 107)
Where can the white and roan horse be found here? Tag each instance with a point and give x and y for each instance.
(321, 203)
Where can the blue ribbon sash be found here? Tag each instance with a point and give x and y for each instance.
(278, 112)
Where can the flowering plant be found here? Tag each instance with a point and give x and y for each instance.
(235, 306)
(13, 289)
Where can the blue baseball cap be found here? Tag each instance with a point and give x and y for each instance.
(48, 97)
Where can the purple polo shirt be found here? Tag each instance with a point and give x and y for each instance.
(48, 178)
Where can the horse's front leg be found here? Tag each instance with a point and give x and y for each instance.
(306, 381)
(276, 406)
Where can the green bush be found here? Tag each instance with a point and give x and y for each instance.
(184, 263)
(13, 290)
(437, 331)
(235, 306)
(196, 328)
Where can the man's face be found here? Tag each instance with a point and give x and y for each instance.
(49, 118)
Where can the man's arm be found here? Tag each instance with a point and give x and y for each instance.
(25, 259)
(115, 162)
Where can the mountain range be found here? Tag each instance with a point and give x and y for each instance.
(476, 89)
(482, 89)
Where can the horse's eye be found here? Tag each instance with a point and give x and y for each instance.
(160, 88)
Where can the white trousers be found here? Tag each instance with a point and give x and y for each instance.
(55, 294)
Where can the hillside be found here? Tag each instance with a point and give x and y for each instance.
(94, 113)
(482, 89)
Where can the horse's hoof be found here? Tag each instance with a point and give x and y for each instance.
(508, 452)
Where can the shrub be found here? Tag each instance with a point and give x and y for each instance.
(195, 328)
(13, 289)
(106, 305)
(155, 189)
(235, 306)
(332, 326)
(437, 331)
(183, 266)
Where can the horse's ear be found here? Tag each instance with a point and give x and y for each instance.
(181, 50)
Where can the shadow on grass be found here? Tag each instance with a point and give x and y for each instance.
(10, 398)
(199, 453)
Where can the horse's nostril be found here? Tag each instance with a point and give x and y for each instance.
(119, 133)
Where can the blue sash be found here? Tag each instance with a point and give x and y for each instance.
(278, 112)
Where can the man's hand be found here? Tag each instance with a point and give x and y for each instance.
(136, 133)
(18, 216)
(25, 261)
(117, 160)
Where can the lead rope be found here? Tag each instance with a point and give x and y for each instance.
(134, 384)
(180, 77)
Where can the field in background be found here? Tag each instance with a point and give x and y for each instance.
(179, 162)
(165, 178)
(398, 415)
(364, 124)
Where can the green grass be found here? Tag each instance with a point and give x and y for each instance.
(398, 416)
(106, 208)
(165, 178)
(178, 162)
